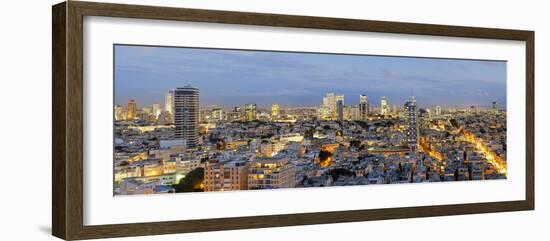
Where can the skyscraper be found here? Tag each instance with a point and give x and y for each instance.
(186, 115)
(330, 102)
(412, 126)
(339, 97)
(438, 110)
(155, 108)
(384, 105)
(131, 111)
(119, 113)
(340, 109)
(363, 107)
(328, 109)
(250, 110)
(169, 102)
(275, 111)
(495, 108)
(324, 112)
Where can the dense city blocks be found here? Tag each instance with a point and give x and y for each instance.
(210, 120)
(181, 147)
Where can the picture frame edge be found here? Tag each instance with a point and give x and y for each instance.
(67, 119)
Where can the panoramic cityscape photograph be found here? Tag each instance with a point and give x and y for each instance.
(209, 120)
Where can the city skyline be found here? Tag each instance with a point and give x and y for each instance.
(145, 74)
(336, 133)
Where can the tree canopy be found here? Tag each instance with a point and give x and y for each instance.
(192, 182)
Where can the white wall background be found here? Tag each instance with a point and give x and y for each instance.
(25, 119)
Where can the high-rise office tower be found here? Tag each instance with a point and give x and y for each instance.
(186, 115)
(324, 112)
(495, 108)
(169, 102)
(330, 101)
(340, 109)
(363, 107)
(250, 111)
(155, 108)
(119, 113)
(438, 110)
(412, 126)
(352, 112)
(328, 108)
(275, 111)
(339, 98)
(384, 106)
(131, 110)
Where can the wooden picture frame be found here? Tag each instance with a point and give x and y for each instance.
(67, 124)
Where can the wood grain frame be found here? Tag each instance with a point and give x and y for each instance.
(67, 123)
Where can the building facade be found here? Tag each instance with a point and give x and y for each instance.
(275, 111)
(271, 173)
(363, 107)
(225, 176)
(250, 111)
(169, 102)
(384, 108)
(412, 125)
(186, 115)
(340, 110)
(131, 110)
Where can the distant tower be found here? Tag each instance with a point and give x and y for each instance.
(340, 109)
(363, 107)
(495, 108)
(131, 110)
(412, 126)
(156, 110)
(438, 110)
(473, 110)
(186, 115)
(324, 112)
(250, 110)
(119, 113)
(169, 102)
(339, 98)
(275, 111)
(383, 106)
(330, 102)
(336, 99)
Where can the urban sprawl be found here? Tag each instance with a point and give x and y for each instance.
(182, 146)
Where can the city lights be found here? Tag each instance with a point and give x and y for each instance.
(253, 147)
(209, 120)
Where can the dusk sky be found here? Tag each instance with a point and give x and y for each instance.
(235, 77)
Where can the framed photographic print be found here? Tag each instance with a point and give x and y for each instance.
(171, 120)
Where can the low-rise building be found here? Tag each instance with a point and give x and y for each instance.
(225, 176)
(270, 173)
